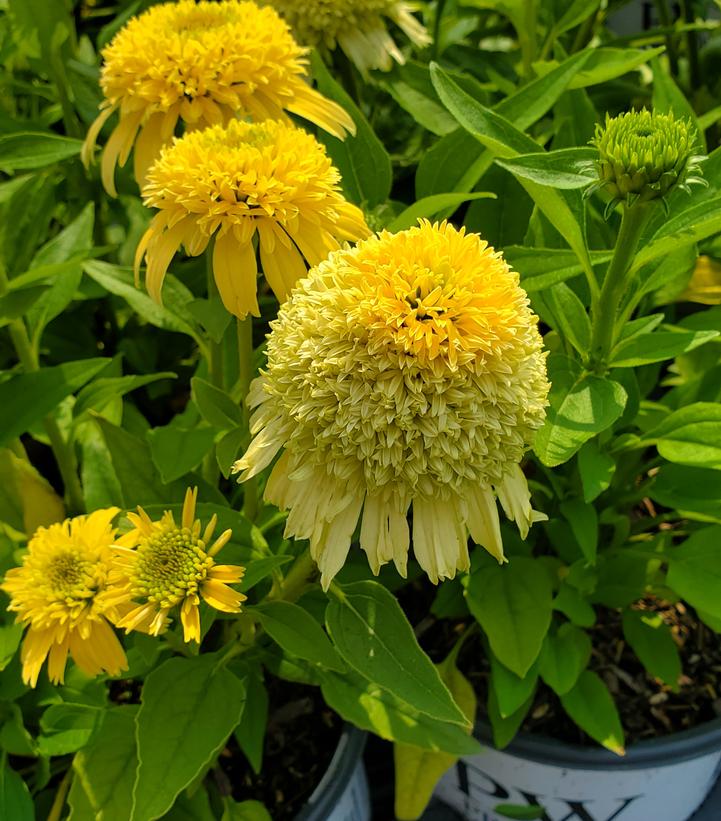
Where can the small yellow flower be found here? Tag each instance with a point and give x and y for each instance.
(57, 593)
(233, 181)
(202, 63)
(159, 566)
(406, 371)
(359, 27)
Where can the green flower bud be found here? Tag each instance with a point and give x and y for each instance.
(643, 156)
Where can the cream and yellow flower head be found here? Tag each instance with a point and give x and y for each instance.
(359, 27)
(160, 566)
(406, 372)
(202, 63)
(57, 593)
(231, 181)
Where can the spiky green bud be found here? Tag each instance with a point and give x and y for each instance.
(643, 156)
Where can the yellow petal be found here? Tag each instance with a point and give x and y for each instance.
(236, 275)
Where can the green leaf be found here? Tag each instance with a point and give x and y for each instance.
(694, 570)
(25, 150)
(574, 14)
(570, 317)
(605, 64)
(651, 640)
(101, 392)
(10, 635)
(15, 801)
(176, 451)
(690, 436)
(581, 405)
(417, 770)
(574, 606)
(250, 733)
(698, 221)
(511, 690)
(373, 708)
(105, 769)
(504, 140)
(180, 728)
(505, 728)
(228, 448)
(372, 634)
(172, 315)
(28, 397)
(446, 166)
(215, 406)
(244, 811)
(542, 267)
(564, 168)
(596, 469)
(139, 481)
(564, 656)
(67, 728)
(658, 347)
(694, 492)
(259, 569)
(362, 160)
(519, 811)
(513, 606)
(621, 579)
(429, 206)
(583, 519)
(298, 633)
(591, 706)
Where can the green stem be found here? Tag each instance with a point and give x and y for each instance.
(245, 375)
(215, 365)
(301, 574)
(664, 17)
(605, 310)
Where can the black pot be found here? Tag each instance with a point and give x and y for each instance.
(342, 794)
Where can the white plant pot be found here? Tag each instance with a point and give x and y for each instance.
(342, 794)
(665, 779)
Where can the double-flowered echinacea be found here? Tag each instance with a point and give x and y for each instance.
(405, 374)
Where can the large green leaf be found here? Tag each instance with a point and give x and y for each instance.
(657, 347)
(513, 605)
(372, 708)
(372, 634)
(541, 268)
(591, 706)
(28, 397)
(694, 492)
(105, 770)
(564, 210)
(429, 206)
(511, 691)
(362, 160)
(15, 801)
(101, 392)
(690, 435)
(181, 728)
(581, 405)
(27, 150)
(694, 570)
(565, 168)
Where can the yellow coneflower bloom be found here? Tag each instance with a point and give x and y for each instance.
(357, 26)
(407, 371)
(203, 63)
(159, 566)
(57, 593)
(233, 181)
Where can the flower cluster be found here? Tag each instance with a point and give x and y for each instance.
(406, 372)
(77, 578)
(357, 26)
(203, 63)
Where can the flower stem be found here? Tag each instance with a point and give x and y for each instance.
(300, 575)
(606, 307)
(245, 376)
(215, 365)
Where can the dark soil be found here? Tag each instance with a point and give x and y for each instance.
(648, 707)
(301, 737)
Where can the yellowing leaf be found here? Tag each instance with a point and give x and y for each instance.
(418, 770)
(705, 284)
(27, 501)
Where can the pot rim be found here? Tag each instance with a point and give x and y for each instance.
(655, 752)
(327, 794)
